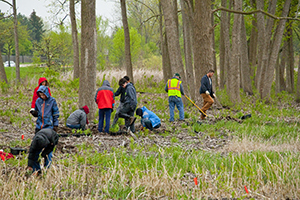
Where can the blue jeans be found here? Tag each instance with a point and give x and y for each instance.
(107, 113)
(174, 100)
(36, 166)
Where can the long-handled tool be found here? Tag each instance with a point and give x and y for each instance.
(196, 106)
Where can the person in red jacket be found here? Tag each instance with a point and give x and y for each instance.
(105, 99)
(42, 81)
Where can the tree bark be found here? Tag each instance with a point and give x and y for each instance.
(188, 48)
(216, 74)
(173, 39)
(245, 67)
(298, 83)
(253, 45)
(87, 76)
(268, 68)
(291, 60)
(164, 49)
(234, 72)
(75, 40)
(128, 62)
(2, 70)
(203, 53)
(18, 78)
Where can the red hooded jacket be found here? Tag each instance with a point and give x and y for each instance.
(35, 96)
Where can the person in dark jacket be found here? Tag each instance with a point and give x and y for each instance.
(105, 100)
(78, 119)
(120, 91)
(47, 110)
(206, 91)
(130, 103)
(44, 141)
(174, 89)
(42, 81)
(149, 119)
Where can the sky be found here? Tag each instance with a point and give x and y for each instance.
(105, 8)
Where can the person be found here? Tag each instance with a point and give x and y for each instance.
(206, 91)
(130, 103)
(175, 90)
(149, 119)
(120, 91)
(42, 81)
(46, 109)
(105, 100)
(78, 119)
(44, 141)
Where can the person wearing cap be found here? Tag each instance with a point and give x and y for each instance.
(206, 91)
(175, 90)
(78, 119)
(149, 119)
(42, 143)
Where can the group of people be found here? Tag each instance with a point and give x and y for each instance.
(44, 107)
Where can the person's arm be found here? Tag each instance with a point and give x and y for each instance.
(96, 96)
(166, 87)
(55, 113)
(181, 89)
(118, 92)
(34, 97)
(132, 95)
(82, 120)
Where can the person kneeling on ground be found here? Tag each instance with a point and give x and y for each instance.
(44, 139)
(78, 119)
(149, 119)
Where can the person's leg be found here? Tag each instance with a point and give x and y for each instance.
(171, 108)
(131, 113)
(107, 119)
(148, 124)
(207, 102)
(36, 165)
(179, 105)
(117, 114)
(101, 118)
(157, 126)
(48, 160)
(124, 111)
(77, 126)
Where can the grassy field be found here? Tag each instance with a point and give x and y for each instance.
(225, 154)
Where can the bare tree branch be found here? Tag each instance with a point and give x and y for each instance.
(253, 12)
(7, 2)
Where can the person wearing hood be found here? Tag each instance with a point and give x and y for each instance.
(149, 119)
(130, 103)
(47, 110)
(105, 100)
(78, 119)
(44, 140)
(42, 81)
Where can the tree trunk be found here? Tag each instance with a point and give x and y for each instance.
(245, 67)
(253, 44)
(277, 75)
(75, 40)
(203, 54)
(291, 60)
(268, 68)
(234, 73)
(173, 39)
(18, 78)
(188, 48)
(298, 83)
(87, 76)
(282, 65)
(128, 62)
(164, 49)
(216, 74)
(2, 70)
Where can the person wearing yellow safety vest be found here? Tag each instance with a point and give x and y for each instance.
(175, 90)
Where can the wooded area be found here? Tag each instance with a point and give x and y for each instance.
(251, 44)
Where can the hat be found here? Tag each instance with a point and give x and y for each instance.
(86, 109)
(176, 74)
(139, 112)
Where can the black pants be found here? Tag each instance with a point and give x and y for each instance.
(126, 112)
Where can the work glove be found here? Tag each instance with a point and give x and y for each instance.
(214, 96)
(33, 112)
(55, 128)
(207, 92)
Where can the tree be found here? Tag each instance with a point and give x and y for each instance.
(87, 77)
(36, 26)
(18, 78)
(75, 40)
(128, 62)
(2, 70)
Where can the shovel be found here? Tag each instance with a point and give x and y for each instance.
(196, 106)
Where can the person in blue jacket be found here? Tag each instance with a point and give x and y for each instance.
(149, 119)
(47, 110)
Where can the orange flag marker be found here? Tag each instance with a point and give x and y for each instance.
(195, 180)
(246, 189)
(22, 137)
